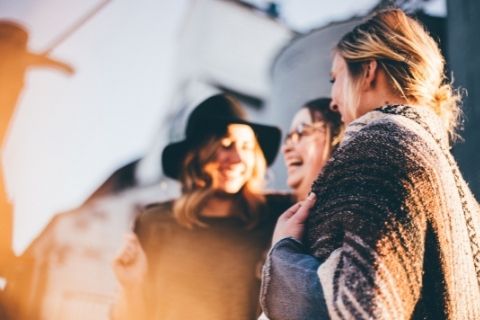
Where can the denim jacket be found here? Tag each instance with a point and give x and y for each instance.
(290, 285)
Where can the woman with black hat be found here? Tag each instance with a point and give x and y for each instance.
(198, 257)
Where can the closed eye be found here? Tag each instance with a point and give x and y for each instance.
(332, 78)
(248, 146)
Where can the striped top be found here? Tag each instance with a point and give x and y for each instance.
(395, 226)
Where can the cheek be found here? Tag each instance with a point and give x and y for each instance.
(304, 150)
(334, 91)
(220, 154)
(313, 155)
(339, 96)
(291, 150)
(210, 169)
(250, 161)
(310, 154)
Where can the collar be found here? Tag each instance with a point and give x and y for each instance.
(404, 115)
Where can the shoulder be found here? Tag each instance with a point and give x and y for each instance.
(157, 210)
(154, 224)
(378, 162)
(154, 215)
(402, 128)
(388, 138)
(372, 129)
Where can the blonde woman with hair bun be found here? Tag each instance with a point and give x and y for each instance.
(390, 230)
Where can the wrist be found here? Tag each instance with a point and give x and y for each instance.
(279, 238)
(288, 239)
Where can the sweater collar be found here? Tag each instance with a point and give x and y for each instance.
(424, 117)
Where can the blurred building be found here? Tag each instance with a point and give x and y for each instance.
(223, 46)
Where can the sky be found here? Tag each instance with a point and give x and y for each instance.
(71, 132)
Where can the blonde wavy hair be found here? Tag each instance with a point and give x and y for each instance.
(197, 186)
(410, 58)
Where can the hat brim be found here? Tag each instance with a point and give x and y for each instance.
(173, 156)
(268, 138)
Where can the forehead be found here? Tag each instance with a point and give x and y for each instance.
(240, 131)
(302, 116)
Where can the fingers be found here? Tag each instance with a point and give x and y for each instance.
(300, 210)
(290, 211)
(292, 222)
(129, 251)
(131, 238)
(302, 213)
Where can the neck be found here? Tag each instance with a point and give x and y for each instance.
(219, 205)
(378, 100)
(377, 92)
(301, 193)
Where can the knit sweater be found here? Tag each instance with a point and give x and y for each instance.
(395, 227)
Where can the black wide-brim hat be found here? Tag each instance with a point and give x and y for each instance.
(211, 118)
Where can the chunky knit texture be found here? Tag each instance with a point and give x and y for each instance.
(395, 225)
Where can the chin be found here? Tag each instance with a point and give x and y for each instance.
(231, 188)
(294, 184)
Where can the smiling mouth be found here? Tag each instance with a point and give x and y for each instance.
(294, 163)
(231, 173)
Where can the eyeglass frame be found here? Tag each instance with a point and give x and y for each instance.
(295, 136)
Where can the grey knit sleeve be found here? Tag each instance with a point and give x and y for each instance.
(368, 225)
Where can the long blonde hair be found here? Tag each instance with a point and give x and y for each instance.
(410, 58)
(197, 186)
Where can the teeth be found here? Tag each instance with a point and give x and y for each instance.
(232, 172)
(295, 163)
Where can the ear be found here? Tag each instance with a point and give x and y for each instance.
(370, 74)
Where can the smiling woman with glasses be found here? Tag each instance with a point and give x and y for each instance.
(303, 129)
(316, 131)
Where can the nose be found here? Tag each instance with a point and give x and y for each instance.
(234, 155)
(287, 146)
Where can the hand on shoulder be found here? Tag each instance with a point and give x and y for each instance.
(292, 222)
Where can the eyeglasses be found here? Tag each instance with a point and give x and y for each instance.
(302, 130)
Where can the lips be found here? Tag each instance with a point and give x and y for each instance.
(231, 172)
(294, 162)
